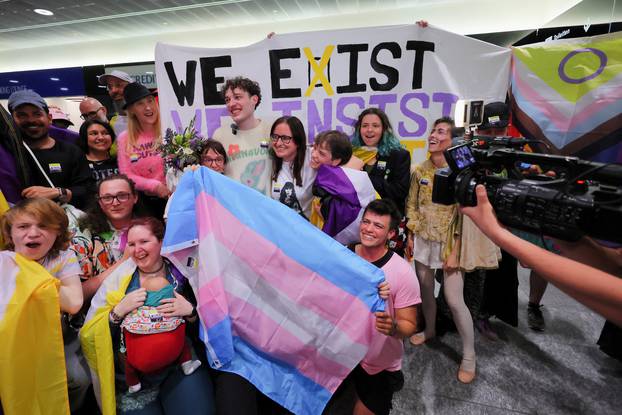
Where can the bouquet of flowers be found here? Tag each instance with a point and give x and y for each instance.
(179, 151)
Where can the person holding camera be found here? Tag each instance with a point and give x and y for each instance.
(435, 244)
(602, 291)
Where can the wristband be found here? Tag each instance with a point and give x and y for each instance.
(114, 317)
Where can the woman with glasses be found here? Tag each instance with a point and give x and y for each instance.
(96, 138)
(214, 156)
(102, 236)
(292, 175)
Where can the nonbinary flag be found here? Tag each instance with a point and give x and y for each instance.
(281, 303)
(345, 194)
(32, 359)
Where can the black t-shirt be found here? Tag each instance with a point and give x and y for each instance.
(104, 168)
(67, 167)
(381, 262)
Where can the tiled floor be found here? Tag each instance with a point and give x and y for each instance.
(559, 371)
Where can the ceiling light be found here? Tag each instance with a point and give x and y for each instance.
(13, 81)
(43, 12)
(149, 73)
(54, 79)
(64, 89)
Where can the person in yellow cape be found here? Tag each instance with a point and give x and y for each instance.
(169, 391)
(39, 281)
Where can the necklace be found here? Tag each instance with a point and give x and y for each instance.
(152, 272)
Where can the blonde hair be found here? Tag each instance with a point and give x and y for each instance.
(45, 212)
(134, 129)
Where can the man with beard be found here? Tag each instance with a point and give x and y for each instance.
(115, 83)
(63, 163)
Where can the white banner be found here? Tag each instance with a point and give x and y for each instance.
(326, 78)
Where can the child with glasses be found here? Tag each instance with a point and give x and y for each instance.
(292, 175)
(214, 156)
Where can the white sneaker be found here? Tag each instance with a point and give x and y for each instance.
(134, 388)
(190, 366)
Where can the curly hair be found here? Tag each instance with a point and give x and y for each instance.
(245, 84)
(45, 212)
(388, 142)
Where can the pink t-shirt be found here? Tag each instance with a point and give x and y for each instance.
(385, 352)
(142, 162)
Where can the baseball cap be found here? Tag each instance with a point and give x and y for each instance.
(496, 115)
(58, 114)
(103, 79)
(26, 96)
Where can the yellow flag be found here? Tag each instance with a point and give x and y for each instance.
(95, 335)
(33, 379)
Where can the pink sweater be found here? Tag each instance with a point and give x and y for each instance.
(142, 163)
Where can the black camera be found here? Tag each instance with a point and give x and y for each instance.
(576, 198)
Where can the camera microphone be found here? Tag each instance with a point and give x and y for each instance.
(234, 129)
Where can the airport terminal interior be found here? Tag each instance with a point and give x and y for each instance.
(63, 48)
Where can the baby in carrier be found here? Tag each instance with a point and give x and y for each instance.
(152, 342)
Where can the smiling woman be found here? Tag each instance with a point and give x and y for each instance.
(138, 154)
(96, 138)
(292, 175)
(386, 163)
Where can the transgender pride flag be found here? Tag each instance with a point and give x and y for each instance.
(281, 303)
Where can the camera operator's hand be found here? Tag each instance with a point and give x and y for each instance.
(483, 215)
(602, 292)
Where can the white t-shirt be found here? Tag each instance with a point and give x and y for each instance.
(62, 266)
(249, 162)
(284, 188)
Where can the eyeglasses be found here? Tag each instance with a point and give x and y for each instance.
(108, 199)
(92, 114)
(286, 139)
(211, 161)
